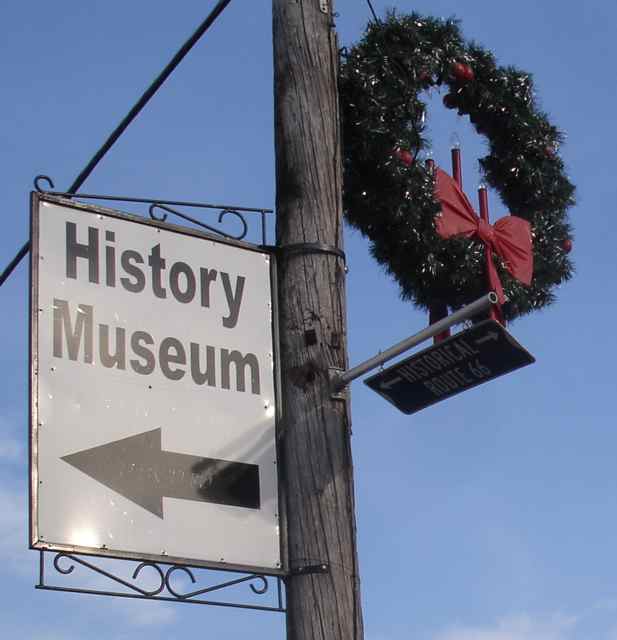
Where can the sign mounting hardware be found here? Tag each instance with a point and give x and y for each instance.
(338, 381)
(334, 374)
(310, 569)
(324, 6)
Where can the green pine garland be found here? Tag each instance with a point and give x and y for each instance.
(391, 201)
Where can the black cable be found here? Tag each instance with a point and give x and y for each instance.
(132, 114)
(370, 6)
(21, 254)
(152, 89)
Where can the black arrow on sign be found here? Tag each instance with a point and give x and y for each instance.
(138, 469)
(390, 383)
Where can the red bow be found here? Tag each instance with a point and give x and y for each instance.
(509, 237)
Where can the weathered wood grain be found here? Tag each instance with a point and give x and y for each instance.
(315, 438)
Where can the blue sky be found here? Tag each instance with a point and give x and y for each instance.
(491, 516)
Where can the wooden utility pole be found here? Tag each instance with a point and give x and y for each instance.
(315, 436)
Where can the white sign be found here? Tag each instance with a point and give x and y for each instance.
(153, 391)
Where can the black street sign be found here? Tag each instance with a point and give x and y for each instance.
(465, 360)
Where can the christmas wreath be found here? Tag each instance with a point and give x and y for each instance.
(389, 195)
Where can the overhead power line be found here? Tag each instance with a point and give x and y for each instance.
(370, 6)
(131, 115)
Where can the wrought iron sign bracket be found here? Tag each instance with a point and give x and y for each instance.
(165, 588)
(166, 207)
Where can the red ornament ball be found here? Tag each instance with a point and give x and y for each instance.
(404, 156)
(567, 245)
(462, 72)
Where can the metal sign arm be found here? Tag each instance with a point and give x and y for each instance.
(340, 380)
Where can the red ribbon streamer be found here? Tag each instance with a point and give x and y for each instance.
(509, 237)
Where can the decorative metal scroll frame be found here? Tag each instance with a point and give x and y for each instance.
(258, 583)
(167, 207)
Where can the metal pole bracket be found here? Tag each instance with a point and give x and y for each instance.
(324, 6)
(337, 392)
(305, 570)
(340, 379)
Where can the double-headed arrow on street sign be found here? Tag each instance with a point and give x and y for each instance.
(138, 469)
